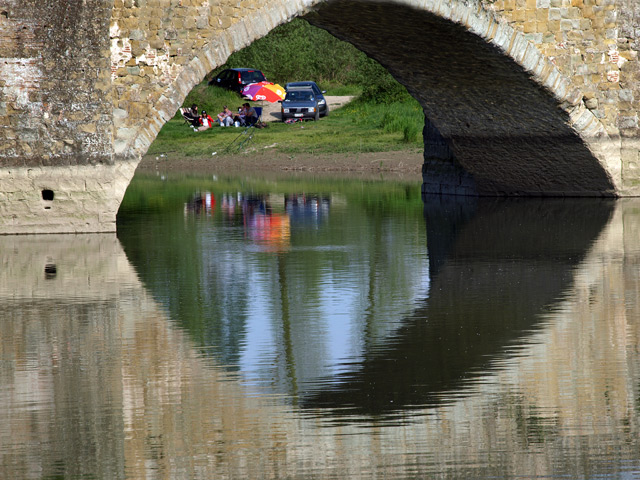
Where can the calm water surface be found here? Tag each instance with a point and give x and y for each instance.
(238, 328)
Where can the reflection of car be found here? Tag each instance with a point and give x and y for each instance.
(322, 103)
(238, 78)
(201, 202)
(306, 209)
(300, 103)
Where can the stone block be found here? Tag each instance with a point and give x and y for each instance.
(591, 103)
(628, 122)
(555, 14)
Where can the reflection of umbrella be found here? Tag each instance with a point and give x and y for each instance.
(271, 232)
(271, 92)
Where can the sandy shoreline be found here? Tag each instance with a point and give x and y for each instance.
(399, 164)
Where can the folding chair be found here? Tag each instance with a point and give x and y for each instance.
(184, 116)
(187, 117)
(258, 113)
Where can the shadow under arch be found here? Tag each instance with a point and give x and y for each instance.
(492, 128)
(493, 279)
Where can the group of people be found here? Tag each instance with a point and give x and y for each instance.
(246, 116)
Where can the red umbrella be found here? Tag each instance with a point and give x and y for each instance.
(270, 92)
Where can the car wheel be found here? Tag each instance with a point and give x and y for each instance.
(326, 112)
(317, 116)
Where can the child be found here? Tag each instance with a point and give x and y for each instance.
(205, 122)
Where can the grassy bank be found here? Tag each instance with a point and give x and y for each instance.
(383, 117)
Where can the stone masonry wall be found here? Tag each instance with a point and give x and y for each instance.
(160, 49)
(594, 43)
(88, 83)
(54, 78)
(80, 78)
(513, 122)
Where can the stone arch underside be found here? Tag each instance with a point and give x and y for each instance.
(495, 125)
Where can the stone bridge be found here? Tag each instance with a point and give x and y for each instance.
(521, 97)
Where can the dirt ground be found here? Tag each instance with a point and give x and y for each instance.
(399, 165)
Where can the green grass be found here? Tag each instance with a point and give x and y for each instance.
(211, 99)
(343, 90)
(357, 127)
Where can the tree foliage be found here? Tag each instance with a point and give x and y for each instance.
(299, 51)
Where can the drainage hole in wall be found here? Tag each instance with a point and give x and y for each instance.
(50, 271)
(47, 195)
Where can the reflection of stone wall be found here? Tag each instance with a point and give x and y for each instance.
(59, 304)
(525, 410)
(89, 266)
(96, 380)
(578, 378)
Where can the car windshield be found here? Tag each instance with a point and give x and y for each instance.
(300, 96)
(312, 86)
(252, 77)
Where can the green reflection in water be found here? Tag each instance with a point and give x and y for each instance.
(160, 194)
(204, 261)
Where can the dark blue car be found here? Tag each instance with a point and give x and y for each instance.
(322, 102)
(300, 103)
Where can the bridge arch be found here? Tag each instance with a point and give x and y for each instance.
(501, 117)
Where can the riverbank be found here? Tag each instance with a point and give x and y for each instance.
(268, 161)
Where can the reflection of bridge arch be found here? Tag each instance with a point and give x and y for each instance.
(509, 109)
(491, 285)
(151, 402)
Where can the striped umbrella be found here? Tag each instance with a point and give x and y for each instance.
(270, 92)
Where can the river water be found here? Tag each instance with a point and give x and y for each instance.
(312, 328)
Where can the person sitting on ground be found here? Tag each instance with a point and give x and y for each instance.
(191, 115)
(205, 122)
(250, 115)
(225, 117)
(238, 118)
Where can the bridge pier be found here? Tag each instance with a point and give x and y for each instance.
(71, 199)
